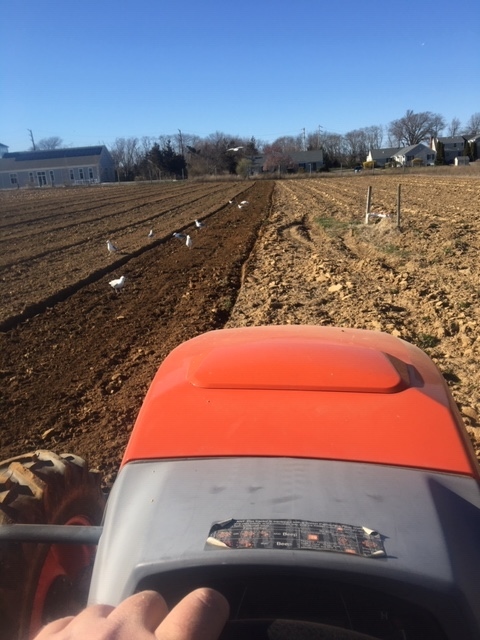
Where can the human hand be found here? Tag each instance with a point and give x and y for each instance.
(201, 615)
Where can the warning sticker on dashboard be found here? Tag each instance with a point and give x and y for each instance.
(302, 535)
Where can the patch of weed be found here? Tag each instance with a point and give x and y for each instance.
(427, 341)
(393, 249)
(333, 226)
(225, 303)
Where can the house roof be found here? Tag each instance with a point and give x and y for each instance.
(307, 156)
(51, 154)
(298, 157)
(378, 154)
(51, 158)
(413, 147)
(452, 140)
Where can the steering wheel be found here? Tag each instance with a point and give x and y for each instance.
(279, 629)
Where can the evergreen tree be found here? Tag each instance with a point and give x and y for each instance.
(440, 153)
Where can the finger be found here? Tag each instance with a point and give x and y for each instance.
(53, 627)
(85, 619)
(144, 610)
(201, 615)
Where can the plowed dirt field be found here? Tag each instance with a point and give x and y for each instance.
(77, 357)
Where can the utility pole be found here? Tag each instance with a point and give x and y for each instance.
(304, 142)
(181, 141)
(33, 141)
(318, 135)
(183, 156)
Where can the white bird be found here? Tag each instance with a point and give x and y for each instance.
(244, 202)
(150, 233)
(111, 247)
(231, 202)
(179, 236)
(117, 284)
(188, 242)
(234, 148)
(199, 224)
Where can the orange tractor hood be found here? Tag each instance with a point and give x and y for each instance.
(302, 391)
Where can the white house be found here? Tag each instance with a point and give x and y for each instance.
(382, 156)
(416, 152)
(55, 167)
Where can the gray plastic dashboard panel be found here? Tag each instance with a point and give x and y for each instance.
(161, 516)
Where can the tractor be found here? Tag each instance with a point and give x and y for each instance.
(321, 478)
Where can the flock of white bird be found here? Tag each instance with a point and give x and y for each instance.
(241, 204)
(119, 283)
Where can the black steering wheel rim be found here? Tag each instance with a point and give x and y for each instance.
(283, 629)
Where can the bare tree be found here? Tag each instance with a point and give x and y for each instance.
(413, 128)
(276, 158)
(289, 144)
(145, 144)
(454, 127)
(133, 153)
(117, 151)
(313, 141)
(333, 148)
(374, 137)
(126, 154)
(54, 142)
(215, 150)
(473, 125)
(355, 145)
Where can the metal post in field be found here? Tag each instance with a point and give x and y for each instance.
(369, 200)
(399, 193)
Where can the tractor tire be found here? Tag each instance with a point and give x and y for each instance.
(41, 582)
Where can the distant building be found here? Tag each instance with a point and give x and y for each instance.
(416, 152)
(3, 149)
(301, 161)
(56, 167)
(308, 161)
(382, 156)
(450, 148)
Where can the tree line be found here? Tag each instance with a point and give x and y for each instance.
(185, 155)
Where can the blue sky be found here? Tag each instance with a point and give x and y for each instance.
(90, 72)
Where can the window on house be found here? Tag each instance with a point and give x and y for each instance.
(52, 177)
(72, 175)
(13, 178)
(90, 173)
(42, 178)
(31, 177)
(80, 174)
